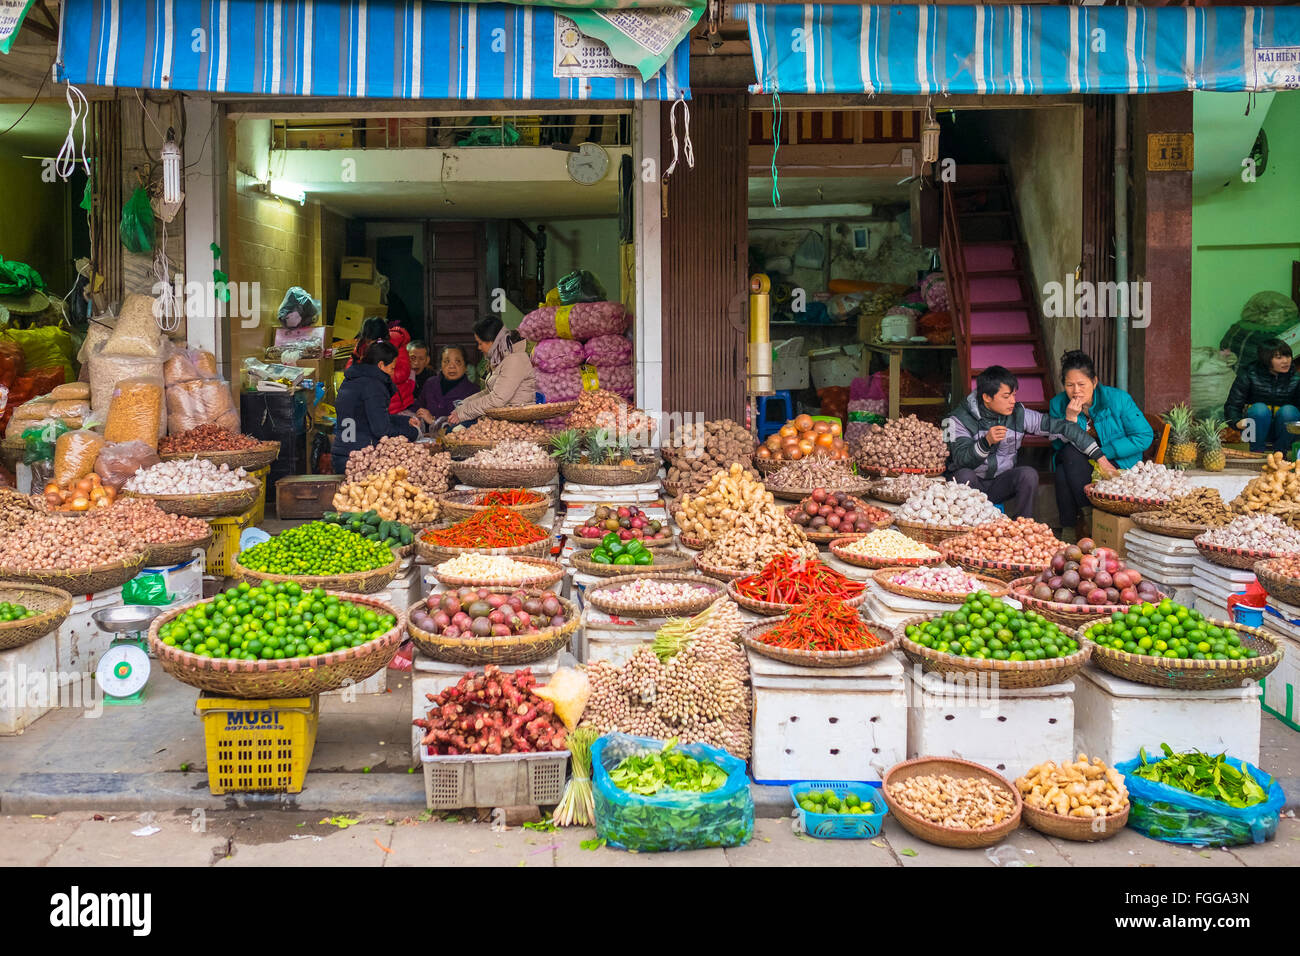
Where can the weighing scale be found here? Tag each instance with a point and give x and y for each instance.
(123, 671)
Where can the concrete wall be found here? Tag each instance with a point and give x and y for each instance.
(1246, 235)
(590, 244)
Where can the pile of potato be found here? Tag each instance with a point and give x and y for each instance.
(422, 468)
(905, 442)
(391, 494)
(695, 451)
(1276, 491)
(728, 495)
(1079, 789)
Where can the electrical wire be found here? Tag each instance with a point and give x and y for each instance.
(66, 161)
(39, 90)
(776, 146)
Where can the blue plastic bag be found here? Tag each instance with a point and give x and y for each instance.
(1172, 815)
(670, 820)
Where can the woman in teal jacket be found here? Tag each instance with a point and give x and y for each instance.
(1108, 414)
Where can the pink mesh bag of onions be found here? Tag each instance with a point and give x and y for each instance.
(586, 320)
(557, 355)
(617, 378)
(608, 350)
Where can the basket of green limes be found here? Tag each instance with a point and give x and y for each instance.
(319, 555)
(838, 810)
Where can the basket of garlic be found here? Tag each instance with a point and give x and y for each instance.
(495, 570)
(944, 510)
(194, 487)
(1144, 487)
(1247, 540)
(884, 548)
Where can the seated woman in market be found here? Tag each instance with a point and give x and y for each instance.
(510, 381)
(362, 405)
(1265, 397)
(1110, 417)
(441, 392)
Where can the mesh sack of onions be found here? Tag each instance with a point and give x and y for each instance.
(586, 320)
(562, 386)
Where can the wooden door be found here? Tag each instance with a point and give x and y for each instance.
(456, 279)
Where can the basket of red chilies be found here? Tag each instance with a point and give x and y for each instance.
(790, 579)
(823, 632)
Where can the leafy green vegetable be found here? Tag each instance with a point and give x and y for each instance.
(592, 844)
(1204, 776)
(648, 774)
(908, 852)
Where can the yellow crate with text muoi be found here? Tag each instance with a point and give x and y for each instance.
(258, 745)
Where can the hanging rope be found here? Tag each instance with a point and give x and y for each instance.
(688, 148)
(776, 146)
(66, 161)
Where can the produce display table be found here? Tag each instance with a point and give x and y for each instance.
(1005, 730)
(834, 723)
(647, 491)
(433, 677)
(893, 351)
(603, 637)
(1166, 561)
(1214, 583)
(1282, 687)
(1114, 717)
(23, 669)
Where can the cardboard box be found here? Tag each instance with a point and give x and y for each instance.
(1108, 530)
(357, 267)
(349, 316)
(368, 292)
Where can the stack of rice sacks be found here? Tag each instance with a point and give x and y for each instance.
(589, 334)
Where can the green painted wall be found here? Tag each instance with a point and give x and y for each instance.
(1245, 236)
(32, 221)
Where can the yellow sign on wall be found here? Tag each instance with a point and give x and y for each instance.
(1169, 152)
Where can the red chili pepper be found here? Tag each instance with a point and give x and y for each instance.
(821, 624)
(788, 579)
(494, 528)
(512, 496)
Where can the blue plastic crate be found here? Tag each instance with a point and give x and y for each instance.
(841, 826)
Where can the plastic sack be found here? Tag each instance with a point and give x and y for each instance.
(934, 290)
(136, 412)
(185, 365)
(146, 589)
(579, 286)
(138, 229)
(936, 327)
(617, 378)
(71, 392)
(560, 386)
(12, 363)
(74, 455)
(116, 463)
(1213, 373)
(669, 820)
(608, 350)
(136, 332)
(1270, 309)
(39, 441)
(97, 333)
(107, 369)
(1172, 815)
(582, 321)
(38, 409)
(568, 690)
(202, 401)
(46, 347)
(556, 355)
(298, 309)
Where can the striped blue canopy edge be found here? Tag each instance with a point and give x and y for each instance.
(1030, 49)
(381, 49)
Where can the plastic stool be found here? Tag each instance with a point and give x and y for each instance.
(783, 403)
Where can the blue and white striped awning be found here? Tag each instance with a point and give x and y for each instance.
(811, 48)
(399, 49)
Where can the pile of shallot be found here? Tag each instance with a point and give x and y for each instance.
(944, 580)
(652, 593)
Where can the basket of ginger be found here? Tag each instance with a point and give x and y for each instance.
(77, 498)
(1085, 800)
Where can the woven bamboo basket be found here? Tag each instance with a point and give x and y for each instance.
(250, 459)
(291, 677)
(458, 505)
(1122, 505)
(602, 599)
(775, 608)
(931, 534)
(436, 553)
(855, 487)
(895, 472)
(175, 552)
(484, 476)
(52, 605)
(882, 577)
(1188, 674)
(692, 542)
(1276, 582)
(666, 562)
(12, 451)
(821, 658)
(359, 582)
(531, 413)
(956, 837)
(548, 573)
(591, 544)
(39, 504)
(516, 649)
(1001, 570)
(863, 561)
(609, 475)
(826, 537)
(92, 580)
(1235, 557)
(463, 449)
(878, 492)
(715, 572)
(1170, 529)
(1011, 675)
(1072, 616)
(1079, 829)
(219, 505)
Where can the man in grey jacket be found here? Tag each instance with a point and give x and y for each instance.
(984, 434)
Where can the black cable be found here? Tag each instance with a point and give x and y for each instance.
(40, 89)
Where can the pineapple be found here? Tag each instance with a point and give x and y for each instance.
(1209, 435)
(598, 446)
(1182, 447)
(566, 446)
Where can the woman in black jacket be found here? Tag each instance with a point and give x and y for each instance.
(1263, 399)
(362, 405)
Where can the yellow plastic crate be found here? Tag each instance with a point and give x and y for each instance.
(258, 745)
(261, 475)
(225, 544)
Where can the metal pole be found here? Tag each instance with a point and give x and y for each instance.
(1121, 240)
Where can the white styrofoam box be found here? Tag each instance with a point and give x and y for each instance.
(376, 683)
(850, 571)
(835, 367)
(433, 677)
(790, 365)
(1228, 484)
(1008, 731)
(1114, 717)
(820, 724)
(404, 590)
(1162, 544)
(26, 674)
(624, 494)
(80, 641)
(1282, 686)
(184, 582)
(599, 638)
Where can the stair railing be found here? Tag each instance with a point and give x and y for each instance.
(954, 262)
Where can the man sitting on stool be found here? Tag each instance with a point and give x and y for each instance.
(984, 434)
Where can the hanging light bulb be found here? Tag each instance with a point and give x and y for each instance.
(171, 163)
(930, 137)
